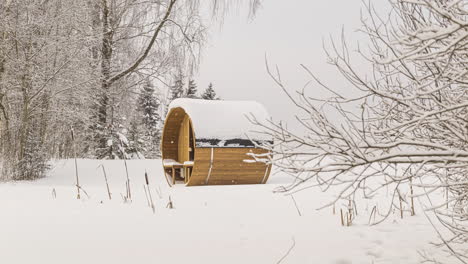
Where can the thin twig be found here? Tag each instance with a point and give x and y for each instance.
(295, 204)
(288, 252)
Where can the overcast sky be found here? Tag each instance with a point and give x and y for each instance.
(289, 33)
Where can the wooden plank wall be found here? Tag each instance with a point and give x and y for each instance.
(228, 167)
(184, 139)
(170, 138)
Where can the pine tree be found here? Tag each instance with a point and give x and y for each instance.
(117, 144)
(192, 90)
(144, 132)
(136, 141)
(177, 89)
(209, 93)
(149, 106)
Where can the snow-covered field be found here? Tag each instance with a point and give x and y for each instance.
(213, 224)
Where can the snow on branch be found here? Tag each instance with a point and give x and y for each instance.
(411, 126)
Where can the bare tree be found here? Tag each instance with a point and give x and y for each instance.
(410, 123)
(39, 51)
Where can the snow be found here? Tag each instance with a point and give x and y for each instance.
(210, 224)
(170, 162)
(122, 138)
(224, 120)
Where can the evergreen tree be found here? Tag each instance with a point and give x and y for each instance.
(136, 141)
(144, 131)
(117, 144)
(177, 89)
(148, 104)
(209, 93)
(192, 90)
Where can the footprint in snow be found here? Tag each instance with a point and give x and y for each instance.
(373, 253)
(343, 261)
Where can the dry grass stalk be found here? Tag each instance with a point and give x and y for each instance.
(373, 212)
(349, 214)
(77, 178)
(146, 196)
(401, 208)
(127, 184)
(158, 192)
(124, 198)
(107, 183)
(149, 193)
(355, 208)
(151, 200)
(127, 198)
(170, 205)
(350, 207)
(83, 190)
(412, 197)
(341, 214)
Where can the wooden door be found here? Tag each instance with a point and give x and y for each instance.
(184, 140)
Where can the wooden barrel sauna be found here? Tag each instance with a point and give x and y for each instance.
(211, 142)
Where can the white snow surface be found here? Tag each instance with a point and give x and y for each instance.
(224, 120)
(170, 162)
(209, 224)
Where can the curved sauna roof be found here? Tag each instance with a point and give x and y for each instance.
(220, 123)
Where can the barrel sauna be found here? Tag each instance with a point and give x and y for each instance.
(213, 142)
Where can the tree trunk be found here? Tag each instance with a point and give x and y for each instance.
(24, 118)
(106, 60)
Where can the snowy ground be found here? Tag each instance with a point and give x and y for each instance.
(214, 224)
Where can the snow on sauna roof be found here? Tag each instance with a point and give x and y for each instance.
(224, 123)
